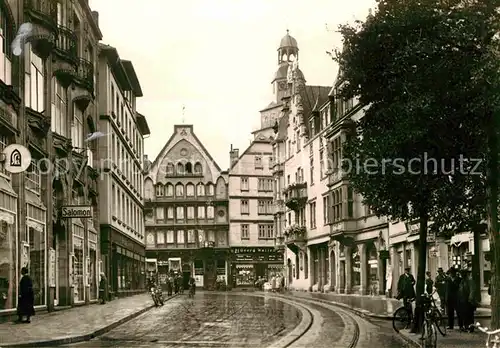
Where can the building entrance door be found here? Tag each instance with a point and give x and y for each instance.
(210, 274)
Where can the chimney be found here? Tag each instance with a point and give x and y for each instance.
(95, 15)
(233, 155)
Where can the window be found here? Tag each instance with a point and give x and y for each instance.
(160, 237)
(6, 36)
(289, 148)
(326, 213)
(210, 212)
(179, 190)
(200, 190)
(350, 202)
(58, 112)
(244, 207)
(169, 190)
(297, 140)
(170, 237)
(201, 212)
(337, 205)
(33, 179)
(271, 162)
(258, 162)
(160, 190)
(265, 185)
(112, 99)
(180, 237)
(170, 169)
(170, 212)
(198, 168)
(34, 81)
(160, 213)
(180, 213)
(190, 212)
(244, 232)
(113, 198)
(244, 184)
(321, 165)
(312, 214)
(266, 231)
(191, 236)
(210, 190)
(190, 190)
(77, 129)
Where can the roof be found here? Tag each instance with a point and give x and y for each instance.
(92, 20)
(142, 124)
(195, 138)
(254, 141)
(123, 70)
(132, 76)
(271, 105)
(312, 95)
(288, 41)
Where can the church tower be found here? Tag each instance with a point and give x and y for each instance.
(288, 53)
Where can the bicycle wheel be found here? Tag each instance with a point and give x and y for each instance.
(401, 319)
(441, 322)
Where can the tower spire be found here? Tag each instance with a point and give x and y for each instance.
(183, 114)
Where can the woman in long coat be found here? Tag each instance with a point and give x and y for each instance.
(26, 304)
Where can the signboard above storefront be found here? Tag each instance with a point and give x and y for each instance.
(259, 254)
(76, 211)
(253, 250)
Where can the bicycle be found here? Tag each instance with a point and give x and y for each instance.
(403, 316)
(495, 333)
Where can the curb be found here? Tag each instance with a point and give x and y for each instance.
(85, 337)
(409, 340)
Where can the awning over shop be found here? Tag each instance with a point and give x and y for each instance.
(457, 239)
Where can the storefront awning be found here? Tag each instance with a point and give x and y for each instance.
(460, 238)
(9, 218)
(5, 187)
(34, 200)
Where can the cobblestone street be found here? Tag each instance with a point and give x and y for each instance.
(208, 320)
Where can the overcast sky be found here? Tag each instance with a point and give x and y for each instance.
(218, 58)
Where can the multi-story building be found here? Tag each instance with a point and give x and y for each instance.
(121, 184)
(331, 240)
(55, 79)
(187, 220)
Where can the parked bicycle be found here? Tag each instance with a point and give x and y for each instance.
(403, 316)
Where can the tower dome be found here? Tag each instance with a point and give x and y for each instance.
(288, 41)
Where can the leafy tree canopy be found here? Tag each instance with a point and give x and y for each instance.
(428, 73)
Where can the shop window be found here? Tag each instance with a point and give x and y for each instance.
(78, 263)
(8, 250)
(36, 259)
(245, 275)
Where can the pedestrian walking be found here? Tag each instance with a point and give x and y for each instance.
(406, 290)
(176, 283)
(26, 303)
(452, 285)
(429, 283)
(103, 285)
(440, 284)
(273, 283)
(169, 285)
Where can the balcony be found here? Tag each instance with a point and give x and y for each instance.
(278, 168)
(335, 176)
(85, 75)
(343, 231)
(42, 14)
(65, 65)
(295, 238)
(296, 196)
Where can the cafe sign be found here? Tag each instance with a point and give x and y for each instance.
(76, 211)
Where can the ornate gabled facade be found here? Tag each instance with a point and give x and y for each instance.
(121, 155)
(49, 105)
(186, 212)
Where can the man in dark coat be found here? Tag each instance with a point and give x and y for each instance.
(26, 298)
(429, 283)
(452, 285)
(466, 301)
(406, 290)
(103, 286)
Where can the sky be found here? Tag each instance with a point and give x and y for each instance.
(218, 58)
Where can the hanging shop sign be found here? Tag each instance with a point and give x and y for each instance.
(76, 211)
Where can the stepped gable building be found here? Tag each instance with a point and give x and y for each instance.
(187, 218)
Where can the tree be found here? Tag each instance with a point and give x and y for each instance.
(429, 78)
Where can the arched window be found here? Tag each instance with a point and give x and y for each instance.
(190, 190)
(170, 169)
(179, 190)
(169, 190)
(189, 168)
(180, 169)
(197, 168)
(160, 190)
(210, 189)
(200, 190)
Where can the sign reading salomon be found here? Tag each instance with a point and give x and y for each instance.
(76, 211)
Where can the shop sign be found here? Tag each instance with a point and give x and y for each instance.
(76, 211)
(199, 271)
(253, 250)
(52, 268)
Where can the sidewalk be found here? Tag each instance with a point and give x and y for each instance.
(453, 339)
(73, 325)
(379, 307)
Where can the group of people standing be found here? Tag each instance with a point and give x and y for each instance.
(456, 290)
(174, 284)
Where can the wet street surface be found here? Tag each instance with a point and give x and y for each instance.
(208, 320)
